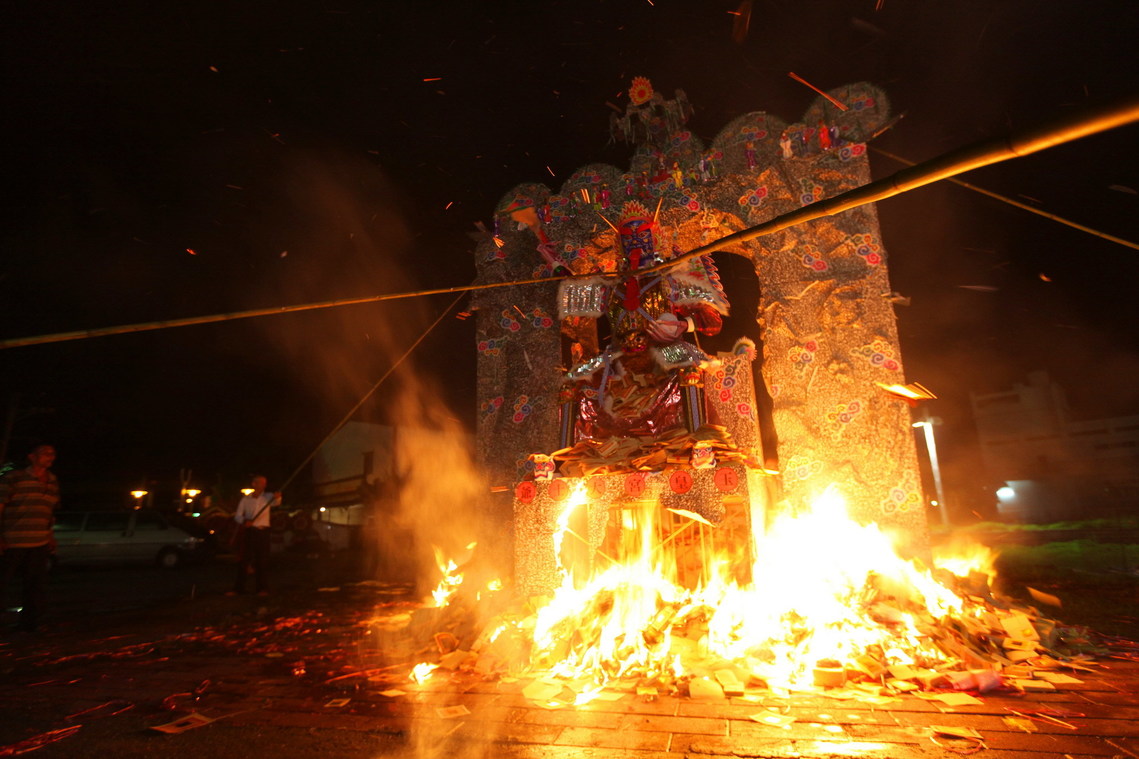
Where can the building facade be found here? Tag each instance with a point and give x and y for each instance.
(1056, 468)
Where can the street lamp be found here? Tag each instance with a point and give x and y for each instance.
(931, 448)
(138, 495)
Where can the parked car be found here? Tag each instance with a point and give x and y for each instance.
(121, 537)
(210, 544)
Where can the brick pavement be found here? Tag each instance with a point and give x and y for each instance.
(263, 687)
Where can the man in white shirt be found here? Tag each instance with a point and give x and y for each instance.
(252, 517)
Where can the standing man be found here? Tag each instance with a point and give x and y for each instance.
(28, 498)
(252, 519)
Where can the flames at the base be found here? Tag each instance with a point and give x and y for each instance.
(824, 591)
(828, 600)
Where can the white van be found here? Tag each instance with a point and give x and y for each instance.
(122, 537)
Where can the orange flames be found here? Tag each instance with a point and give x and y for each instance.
(824, 592)
(452, 577)
(827, 600)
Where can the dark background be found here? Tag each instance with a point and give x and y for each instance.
(298, 150)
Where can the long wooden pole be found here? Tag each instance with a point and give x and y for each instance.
(1023, 206)
(950, 164)
(352, 412)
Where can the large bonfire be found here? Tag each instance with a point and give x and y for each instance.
(828, 604)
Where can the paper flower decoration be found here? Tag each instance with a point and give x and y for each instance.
(640, 90)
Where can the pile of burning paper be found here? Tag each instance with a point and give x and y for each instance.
(829, 607)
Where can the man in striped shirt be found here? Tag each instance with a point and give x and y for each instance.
(28, 498)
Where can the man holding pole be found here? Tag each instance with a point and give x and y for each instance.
(253, 537)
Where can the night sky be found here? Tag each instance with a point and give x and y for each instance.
(167, 160)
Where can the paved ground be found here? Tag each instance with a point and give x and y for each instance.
(270, 671)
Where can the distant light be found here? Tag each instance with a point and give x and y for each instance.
(247, 491)
(193, 493)
(933, 503)
(1005, 493)
(138, 493)
(196, 514)
(322, 509)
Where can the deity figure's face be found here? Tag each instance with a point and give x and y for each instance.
(635, 342)
(638, 242)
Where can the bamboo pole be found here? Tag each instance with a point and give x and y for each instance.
(1023, 206)
(395, 365)
(947, 165)
(950, 164)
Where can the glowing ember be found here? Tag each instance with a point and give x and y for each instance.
(422, 671)
(492, 587)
